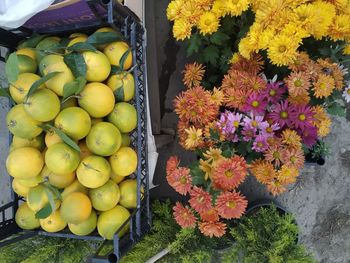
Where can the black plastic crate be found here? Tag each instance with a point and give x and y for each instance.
(122, 19)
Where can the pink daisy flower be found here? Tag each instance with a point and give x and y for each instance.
(248, 133)
(260, 144)
(200, 200)
(301, 116)
(274, 91)
(269, 131)
(308, 135)
(256, 122)
(184, 216)
(231, 205)
(211, 229)
(210, 215)
(255, 103)
(281, 114)
(234, 120)
(181, 180)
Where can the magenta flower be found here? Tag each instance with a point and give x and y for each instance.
(308, 135)
(256, 122)
(260, 144)
(281, 114)
(255, 103)
(228, 124)
(269, 131)
(301, 116)
(248, 133)
(274, 91)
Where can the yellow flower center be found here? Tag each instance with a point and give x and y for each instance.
(293, 159)
(236, 124)
(193, 113)
(272, 92)
(254, 123)
(323, 86)
(269, 130)
(231, 204)
(298, 83)
(348, 91)
(200, 199)
(259, 144)
(207, 22)
(302, 117)
(276, 155)
(183, 180)
(282, 49)
(255, 104)
(284, 115)
(228, 174)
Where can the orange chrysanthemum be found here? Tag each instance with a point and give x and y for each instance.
(172, 163)
(193, 74)
(216, 229)
(213, 154)
(321, 121)
(324, 86)
(184, 216)
(276, 187)
(230, 173)
(287, 174)
(273, 154)
(180, 179)
(291, 138)
(301, 62)
(302, 99)
(324, 127)
(194, 138)
(329, 68)
(218, 96)
(196, 106)
(210, 215)
(293, 157)
(298, 83)
(263, 171)
(200, 200)
(231, 205)
(235, 98)
(252, 66)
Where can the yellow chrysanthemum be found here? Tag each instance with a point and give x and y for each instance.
(339, 4)
(324, 86)
(194, 137)
(182, 29)
(325, 13)
(346, 50)
(295, 30)
(283, 50)
(174, 9)
(208, 23)
(218, 96)
(204, 4)
(213, 154)
(206, 167)
(321, 121)
(191, 12)
(235, 58)
(219, 8)
(265, 38)
(236, 7)
(245, 47)
(340, 28)
(271, 12)
(324, 128)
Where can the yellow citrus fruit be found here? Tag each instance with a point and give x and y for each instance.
(97, 66)
(21, 86)
(103, 139)
(78, 39)
(74, 121)
(114, 52)
(76, 186)
(123, 86)
(58, 180)
(19, 189)
(128, 193)
(37, 197)
(110, 221)
(75, 208)
(21, 124)
(84, 150)
(61, 158)
(24, 162)
(116, 178)
(124, 161)
(124, 117)
(125, 140)
(43, 105)
(105, 197)
(45, 44)
(32, 181)
(96, 120)
(93, 171)
(97, 99)
(104, 29)
(37, 142)
(86, 227)
(30, 52)
(26, 64)
(53, 223)
(52, 138)
(25, 217)
(57, 82)
(72, 102)
(77, 34)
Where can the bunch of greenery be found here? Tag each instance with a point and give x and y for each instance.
(319, 150)
(267, 236)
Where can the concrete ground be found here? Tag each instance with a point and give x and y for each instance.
(319, 200)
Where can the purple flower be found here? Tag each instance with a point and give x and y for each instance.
(274, 91)
(269, 131)
(248, 133)
(256, 122)
(234, 120)
(260, 144)
(281, 114)
(302, 116)
(308, 135)
(228, 124)
(255, 103)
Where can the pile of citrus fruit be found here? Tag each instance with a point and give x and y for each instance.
(70, 157)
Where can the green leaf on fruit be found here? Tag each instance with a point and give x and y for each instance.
(44, 212)
(4, 92)
(32, 41)
(99, 38)
(65, 138)
(74, 87)
(123, 58)
(12, 68)
(116, 70)
(76, 63)
(81, 46)
(119, 93)
(40, 82)
(51, 197)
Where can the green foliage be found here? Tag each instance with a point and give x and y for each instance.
(318, 150)
(267, 236)
(41, 249)
(197, 174)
